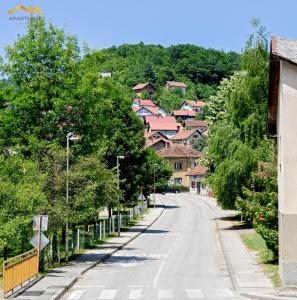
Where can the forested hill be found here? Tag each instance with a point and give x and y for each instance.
(202, 69)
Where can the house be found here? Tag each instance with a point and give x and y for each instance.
(144, 87)
(156, 140)
(200, 125)
(144, 108)
(184, 114)
(187, 137)
(182, 159)
(197, 180)
(197, 106)
(282, 124)
(105, 74)
(167, 125)
(171, 85)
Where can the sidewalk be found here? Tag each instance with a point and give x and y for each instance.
(247, 275)
(56, 282)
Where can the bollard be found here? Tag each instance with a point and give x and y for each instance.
(77, 244)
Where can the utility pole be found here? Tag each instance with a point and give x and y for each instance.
(118, 185)
(155, 185)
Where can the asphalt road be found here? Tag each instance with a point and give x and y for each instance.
(179, 257)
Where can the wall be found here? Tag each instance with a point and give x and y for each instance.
(186, 164)
(287, 172)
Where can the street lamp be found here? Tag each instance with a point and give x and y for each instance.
(118, 183)
(69, 137)
(155, 185)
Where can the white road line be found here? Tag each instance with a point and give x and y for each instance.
(75, 295)
(107, 294)
(135, 294)
(155, 282)
(226, 293)
(88, 286)
(165, 294)
(194, 293)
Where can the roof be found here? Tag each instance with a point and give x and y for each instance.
(198, 170)
(188, 113)
(149, 143)
(160, 119)
(144, 102)
(194, 123)
(176, 150)
(280, 49)
(184, 134)
(176, 84)
(163, 126)
(193, 103)
(148, 135)
(141, 86)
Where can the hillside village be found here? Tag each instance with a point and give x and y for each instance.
(173, 136)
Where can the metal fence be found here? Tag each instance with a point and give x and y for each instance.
(19, 270)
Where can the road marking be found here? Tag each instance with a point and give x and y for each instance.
(138, 286)
(107, 294)
(158, 274)
(224, 293)
(135, 294)
(165, 294)
(194, 293)
(88, 286)
(75, 295)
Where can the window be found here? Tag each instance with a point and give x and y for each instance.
(178, 180)
(178, 166)
(193, 184)
(195, 136)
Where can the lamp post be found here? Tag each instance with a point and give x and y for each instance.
(155, 185)
(118, 184)
(69, 137)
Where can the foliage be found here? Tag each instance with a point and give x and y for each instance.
(239, 155)
(200, 144)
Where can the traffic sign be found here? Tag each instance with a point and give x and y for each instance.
(43, 241)
(43, 225)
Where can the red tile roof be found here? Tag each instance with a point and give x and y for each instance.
(184, 134)
(148, 135)
(163, 126)
(141, 86)
(188, 113)
(195, 103)
(166, 119)
(176, 150)
(194, 123)
(149, 143)
(176, 84)
(198, 170)
(144, 102)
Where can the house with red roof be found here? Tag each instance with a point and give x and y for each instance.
(197, 180)
(170, 85)
(147, 87)
(195, 124)
(187, 137)
(166, 125)
(156, 140)
(144, 108)
(182, 159)
(192, 105)
(184, 114)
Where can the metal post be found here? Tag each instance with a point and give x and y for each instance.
(104, 229)
(100, 231)
(77, 244)
(109, 226)
(154, 185)
(38, 241)
(67, 201)
(112, 223)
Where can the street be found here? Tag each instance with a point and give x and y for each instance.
(178, 257)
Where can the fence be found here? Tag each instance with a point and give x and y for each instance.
(19, 270)
(82, 238)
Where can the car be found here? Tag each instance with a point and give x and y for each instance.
(171, 189)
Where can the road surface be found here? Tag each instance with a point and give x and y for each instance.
(178, 257)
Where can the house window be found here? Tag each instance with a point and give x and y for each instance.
(193, 184)
(195, 136)
(178, 166)
(178, 180)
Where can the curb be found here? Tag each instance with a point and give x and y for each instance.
(265, 297)
(60, 293)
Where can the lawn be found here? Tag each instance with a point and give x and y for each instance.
(255, 243)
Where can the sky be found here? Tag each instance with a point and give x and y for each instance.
(219, 24)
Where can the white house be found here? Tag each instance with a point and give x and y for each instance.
(191, 105)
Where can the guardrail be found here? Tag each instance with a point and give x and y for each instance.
(18, 271)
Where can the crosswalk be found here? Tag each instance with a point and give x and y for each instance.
(138, 293)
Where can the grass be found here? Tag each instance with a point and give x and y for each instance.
(255, 243)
